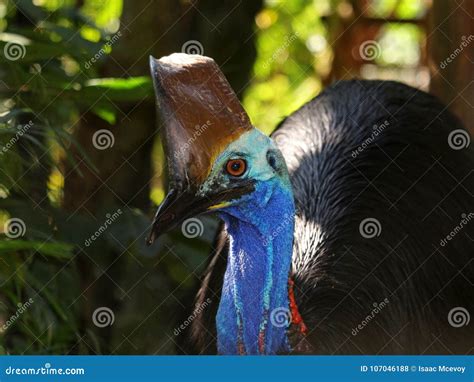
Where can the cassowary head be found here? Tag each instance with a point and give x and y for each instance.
(218, 162)
(216, 158)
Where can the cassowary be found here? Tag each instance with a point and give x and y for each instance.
(335, 237)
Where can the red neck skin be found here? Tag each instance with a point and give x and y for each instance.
(296, 318)
(295, 313)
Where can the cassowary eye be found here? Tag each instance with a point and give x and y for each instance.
(236, 167)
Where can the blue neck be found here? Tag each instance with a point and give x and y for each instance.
(253, 313)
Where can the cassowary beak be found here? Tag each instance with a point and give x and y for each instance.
(179, 206)
(200, 115)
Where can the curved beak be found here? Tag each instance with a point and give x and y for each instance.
(200, 115)
(181, 205)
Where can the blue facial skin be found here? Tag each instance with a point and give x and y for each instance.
(260, 226)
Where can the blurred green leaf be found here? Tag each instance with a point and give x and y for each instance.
(56, 250)
(33, 12)
(105, 111)
(34, 51)
(101, 92)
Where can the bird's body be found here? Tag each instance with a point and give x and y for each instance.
(372, 150)
(350, 202)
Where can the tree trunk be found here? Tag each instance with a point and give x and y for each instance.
(451, 49)
(124, 174)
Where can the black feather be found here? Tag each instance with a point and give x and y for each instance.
(410, 180)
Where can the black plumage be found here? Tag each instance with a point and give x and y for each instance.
(408, 178)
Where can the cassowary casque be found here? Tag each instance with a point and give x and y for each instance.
(333, 227)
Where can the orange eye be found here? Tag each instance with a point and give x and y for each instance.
(236, 167)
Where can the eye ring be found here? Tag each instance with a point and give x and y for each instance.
(236, 167)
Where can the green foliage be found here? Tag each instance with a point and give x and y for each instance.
(47, 82)
(400, 45)
(295, 54)
(51, 54)
(56, 250)
(285, 73)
